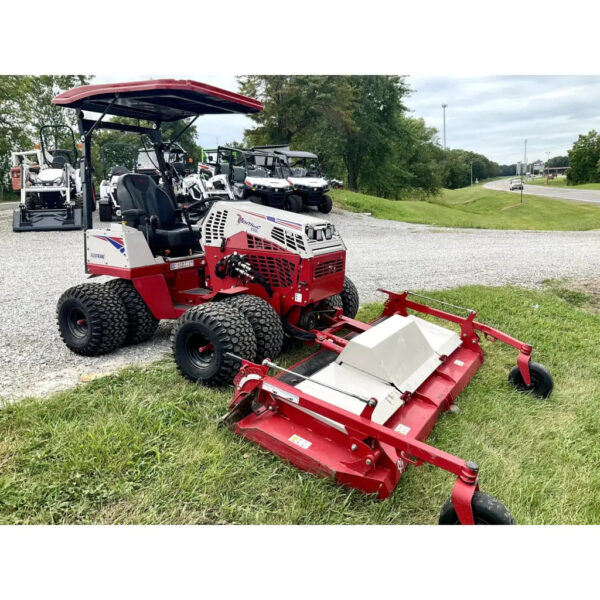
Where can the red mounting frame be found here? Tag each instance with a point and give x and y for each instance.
(367, 456)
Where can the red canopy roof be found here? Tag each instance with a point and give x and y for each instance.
(157, 99)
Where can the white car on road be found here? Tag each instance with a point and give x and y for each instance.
(515, 184)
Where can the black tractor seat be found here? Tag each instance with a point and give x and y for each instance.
(148, 208)
(118, 171)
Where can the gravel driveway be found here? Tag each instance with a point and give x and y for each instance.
(38, 267)
(574, 195)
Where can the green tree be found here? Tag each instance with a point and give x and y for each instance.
(583, 159)
(558, 161)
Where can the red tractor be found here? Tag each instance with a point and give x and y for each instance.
(235, 274)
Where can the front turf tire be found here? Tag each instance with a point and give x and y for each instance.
(141, 323)
(326, 204)
(92, 319)
(265, 323)
(542, 383)
(202, 339)
(350, 299)
(487, 510)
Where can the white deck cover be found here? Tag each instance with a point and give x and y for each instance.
(395, 356)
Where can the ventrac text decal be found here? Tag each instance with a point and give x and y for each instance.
(253, 226)
(117, 242)
(276, 220)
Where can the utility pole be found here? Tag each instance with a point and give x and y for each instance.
(444, 106)
(525, 157)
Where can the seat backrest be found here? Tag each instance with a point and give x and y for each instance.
(136, 191)
(118, 170)
(239, 174)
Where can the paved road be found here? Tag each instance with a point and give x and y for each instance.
(574, 195)
(38, 267)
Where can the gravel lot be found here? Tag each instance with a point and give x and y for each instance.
(38, 267)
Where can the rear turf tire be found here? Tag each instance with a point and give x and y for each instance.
(487, 510)
(326, 204)
(218, 329)
(541, 380)
(350, 299)
(141, 323)
(105, 212)
(265, 323)
(92, 319)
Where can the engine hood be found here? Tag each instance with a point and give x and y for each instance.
(267, 182)
(311, 182)
(50, 175)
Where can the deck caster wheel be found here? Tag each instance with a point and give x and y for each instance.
(141, 324)
(203, 338)
(92, 319)
(265, 323)
(487, 510)
(541, 380)
(350, 299)
(326, 204)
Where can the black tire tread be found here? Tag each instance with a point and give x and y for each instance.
(326, 204)
(233, 331)
(350, 299)
(485, 507)
(141, 323)
(264, 321)
(541, 380)
(107, 314)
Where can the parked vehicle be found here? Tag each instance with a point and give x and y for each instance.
(515, 184)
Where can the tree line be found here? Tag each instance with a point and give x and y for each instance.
(362, 130)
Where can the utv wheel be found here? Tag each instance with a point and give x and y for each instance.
(92, 319)
(202, 339)
(256, 200)
(350, 300)
(141, 323)
(264, 321)
(326, 204)
(293, 203)
(541, 380)
(487, 510)
(105, 212)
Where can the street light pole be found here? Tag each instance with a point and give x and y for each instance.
(444, 106)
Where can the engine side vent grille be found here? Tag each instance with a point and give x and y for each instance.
(328, 267)
(279, 272)
(256, 243)
(293, 241)
(215, 226)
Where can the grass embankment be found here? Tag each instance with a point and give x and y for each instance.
(478, 207)
(143, 446)
(561, 182)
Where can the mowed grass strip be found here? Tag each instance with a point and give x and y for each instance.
(478, 208)
(562, 183)
(143, 446)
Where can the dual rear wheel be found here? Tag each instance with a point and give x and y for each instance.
(210, 339)
(97, 318)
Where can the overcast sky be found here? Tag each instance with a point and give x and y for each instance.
(491, 115)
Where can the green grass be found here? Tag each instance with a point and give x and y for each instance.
(143, 446)
(561, 182)
(477, 207)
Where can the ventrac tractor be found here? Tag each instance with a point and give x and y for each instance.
(360, 408)
(49, 183)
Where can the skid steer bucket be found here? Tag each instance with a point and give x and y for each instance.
(59, 219)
